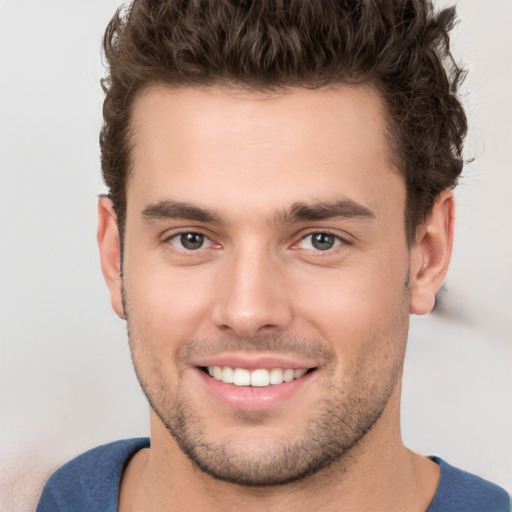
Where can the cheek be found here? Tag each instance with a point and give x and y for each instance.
(163, 312)
(167, 306)
(359, 302)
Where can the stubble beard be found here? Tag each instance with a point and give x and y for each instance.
(342, 418)
(329, 438)
(344, 415)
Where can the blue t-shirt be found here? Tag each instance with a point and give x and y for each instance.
(90, 483)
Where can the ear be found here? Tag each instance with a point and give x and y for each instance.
(110, 253)
(431, 254)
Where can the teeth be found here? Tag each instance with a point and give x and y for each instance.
(228, 375)
(260, 378)
(299, 373)
(242, 377)
(276, 376)
(256, 378)
(288, 375)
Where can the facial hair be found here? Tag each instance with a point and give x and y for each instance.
(348, 406)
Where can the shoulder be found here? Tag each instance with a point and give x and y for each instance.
(459, 491)
(91, 480)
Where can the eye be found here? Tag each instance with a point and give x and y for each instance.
(320, 241)
(190, 241)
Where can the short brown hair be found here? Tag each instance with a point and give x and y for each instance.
(399, 46)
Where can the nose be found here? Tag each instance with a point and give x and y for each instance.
(252, 296)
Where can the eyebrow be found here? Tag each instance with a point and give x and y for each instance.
(314, 211)
(345, 208)
(169, 209)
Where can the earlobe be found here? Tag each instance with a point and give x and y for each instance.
(431, 254)
(110, 252)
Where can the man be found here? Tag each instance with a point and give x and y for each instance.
(280, 179)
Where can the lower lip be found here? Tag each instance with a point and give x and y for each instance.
(252, 398)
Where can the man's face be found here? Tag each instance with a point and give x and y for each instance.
(265, 240)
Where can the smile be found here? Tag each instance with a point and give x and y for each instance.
(260, 377)
(258, 384)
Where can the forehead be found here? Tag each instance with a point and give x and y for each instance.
(218, 145)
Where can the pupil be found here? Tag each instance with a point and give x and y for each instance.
(322, 241)
(192, 240)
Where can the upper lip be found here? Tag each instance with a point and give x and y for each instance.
(255, 362)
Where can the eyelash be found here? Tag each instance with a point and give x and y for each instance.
(338, 241)
(191, 232)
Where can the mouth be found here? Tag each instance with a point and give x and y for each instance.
(260, 377)
(261, 382)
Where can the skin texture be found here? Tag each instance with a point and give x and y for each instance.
(243, 170)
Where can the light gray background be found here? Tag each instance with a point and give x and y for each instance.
(66, 382)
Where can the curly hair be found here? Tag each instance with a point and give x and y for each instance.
(401, 47)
